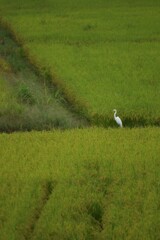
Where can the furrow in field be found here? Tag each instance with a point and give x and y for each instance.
(47, 189)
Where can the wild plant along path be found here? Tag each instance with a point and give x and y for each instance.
(36, 104)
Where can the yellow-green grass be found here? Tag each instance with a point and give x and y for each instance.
(105, 53)
(80, 184)
(17, 114)
(10, 108)
(8, 101)
(4, 66)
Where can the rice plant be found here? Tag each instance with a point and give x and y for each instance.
(103, 55)
(80, 184)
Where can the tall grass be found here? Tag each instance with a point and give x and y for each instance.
(105, 53)
(80, 184)
(8, 102)
(28, 101)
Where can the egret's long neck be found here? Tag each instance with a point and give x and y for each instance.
(115, 114)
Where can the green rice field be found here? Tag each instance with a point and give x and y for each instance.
(80, 184)
(104, 54)
(64, 66)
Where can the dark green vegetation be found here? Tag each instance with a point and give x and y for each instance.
(80, 184)
(28, 101)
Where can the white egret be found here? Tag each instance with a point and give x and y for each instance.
(117, 119)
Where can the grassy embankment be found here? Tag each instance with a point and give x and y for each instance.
(28, 101)
(80, 184)
(103, 54)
